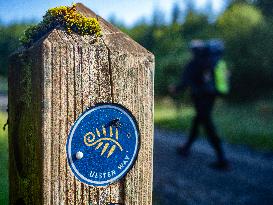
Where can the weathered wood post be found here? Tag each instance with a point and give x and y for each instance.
(51, 84)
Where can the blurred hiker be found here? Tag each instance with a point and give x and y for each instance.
(206, 76)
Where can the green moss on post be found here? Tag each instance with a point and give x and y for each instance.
(65, 17)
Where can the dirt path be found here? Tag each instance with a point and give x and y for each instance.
(3, 102)
(179, 181)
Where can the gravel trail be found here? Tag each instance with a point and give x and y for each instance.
(179, 181)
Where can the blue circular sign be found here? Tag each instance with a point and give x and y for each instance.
(102, 144)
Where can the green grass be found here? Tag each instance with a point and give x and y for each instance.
(247, 124)
(3, 85)
(3, 161)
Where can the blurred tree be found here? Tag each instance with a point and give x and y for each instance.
(195, 26)
(171, 55)
(143, 34)
(158, 17)
(233, 2)
(190, 5)
(266, 6)
(176, 13)
(249, 40)
(248, 35)
(9, 42)
(169, 43)
(240, 19)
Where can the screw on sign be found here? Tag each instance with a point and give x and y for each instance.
(80, 113)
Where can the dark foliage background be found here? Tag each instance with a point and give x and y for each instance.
(245, 25)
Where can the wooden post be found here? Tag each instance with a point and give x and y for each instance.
(50, 85)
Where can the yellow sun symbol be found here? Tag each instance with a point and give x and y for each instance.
(99, 139)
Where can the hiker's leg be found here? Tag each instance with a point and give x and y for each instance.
(206, 118)
(221, 163)
(194, 126)
(214, 139)
(193, 133)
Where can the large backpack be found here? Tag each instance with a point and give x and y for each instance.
(221, 77)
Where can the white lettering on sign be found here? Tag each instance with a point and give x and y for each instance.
(124, 162)
(102, 175)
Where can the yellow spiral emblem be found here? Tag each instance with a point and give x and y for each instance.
(108, 142)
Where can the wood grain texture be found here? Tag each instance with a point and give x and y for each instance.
(50, 85)
(25, 140)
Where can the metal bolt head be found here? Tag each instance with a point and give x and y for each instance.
(79, 155)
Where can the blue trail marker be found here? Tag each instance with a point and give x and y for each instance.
(103, 144)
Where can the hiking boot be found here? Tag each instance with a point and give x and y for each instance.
(222, 165)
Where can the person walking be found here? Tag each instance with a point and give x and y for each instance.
(199, 76)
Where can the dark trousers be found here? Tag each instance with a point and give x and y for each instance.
(204, 107)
